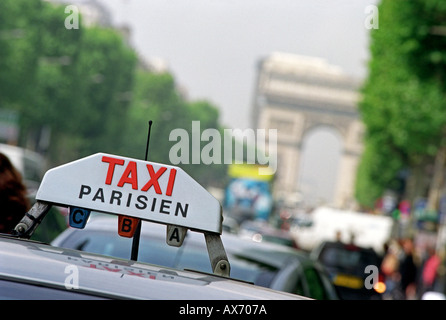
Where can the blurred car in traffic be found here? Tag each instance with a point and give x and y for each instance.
(265, 264)
(346, 265)
(230, 225)
(262, 231)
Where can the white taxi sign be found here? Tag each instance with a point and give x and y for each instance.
(135, 188)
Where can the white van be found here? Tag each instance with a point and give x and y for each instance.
(368, 230)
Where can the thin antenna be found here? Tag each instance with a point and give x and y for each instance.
(148, 139)
(137, 235)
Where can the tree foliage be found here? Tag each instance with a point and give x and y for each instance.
(157, 98)
(84, 89)
(403, 96)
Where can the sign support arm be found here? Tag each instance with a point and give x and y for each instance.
(135, 242)
(217, 254)
(31, 219)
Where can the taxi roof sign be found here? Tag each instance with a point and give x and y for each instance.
(134, 188)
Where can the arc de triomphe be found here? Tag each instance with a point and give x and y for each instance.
(294, 94)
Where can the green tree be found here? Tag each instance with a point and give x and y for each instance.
(402, 105)
(107, 67)
(80, 86)
(20, 23)
(213, 174)
(157, 98)
(57, 84)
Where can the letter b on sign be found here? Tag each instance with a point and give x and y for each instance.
(127, 226)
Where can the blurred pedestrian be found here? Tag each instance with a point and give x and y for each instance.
(429, 272)
(390, 269)
(408, 270)
(13, 201)
(338, 236)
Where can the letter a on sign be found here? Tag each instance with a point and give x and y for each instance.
(175, 235)
(127, 226)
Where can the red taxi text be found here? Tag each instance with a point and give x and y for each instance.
(142, 202)
(130, 176)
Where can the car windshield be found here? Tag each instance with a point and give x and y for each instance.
(349, 259)
(189, 256)
(278, 240)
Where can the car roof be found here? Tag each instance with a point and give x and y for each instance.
(36, 263)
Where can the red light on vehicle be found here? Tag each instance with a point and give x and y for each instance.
(380, 287)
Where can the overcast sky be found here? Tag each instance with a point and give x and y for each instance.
(212, 48)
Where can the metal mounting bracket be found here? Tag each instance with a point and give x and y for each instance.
(217, 254)
(31, 219)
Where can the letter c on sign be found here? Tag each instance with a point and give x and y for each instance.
(78, 217)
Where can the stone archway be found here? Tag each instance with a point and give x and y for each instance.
(294, 94)
(320, 157)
